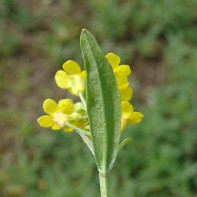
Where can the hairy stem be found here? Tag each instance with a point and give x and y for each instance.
(103, 184)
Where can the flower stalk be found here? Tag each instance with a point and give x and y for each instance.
(83, 100)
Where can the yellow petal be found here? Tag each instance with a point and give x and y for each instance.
(45, 121)
(113, 59)
(122, 71)
(77, 85)
(62, 79)
(66, 106)
(50, 106)
(83, 74)
(126, 108)
(55, 127)
(126, 93)
(122, 81)
(71, 67)
(123, 123)
(135, 117)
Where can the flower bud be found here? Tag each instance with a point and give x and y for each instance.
(78, 107)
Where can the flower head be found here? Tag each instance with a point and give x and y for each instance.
(57, 114)
(128, 115)
(121, 73)
(71, 78)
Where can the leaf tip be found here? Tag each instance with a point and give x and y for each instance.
(84, 33)
(83, 30)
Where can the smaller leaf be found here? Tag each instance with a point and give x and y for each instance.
(124, 142)
(84, 135)
(87, 141)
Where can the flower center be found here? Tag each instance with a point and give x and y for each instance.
(78, 84)
(59, 118)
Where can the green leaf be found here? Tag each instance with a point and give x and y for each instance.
(83, 135)
(124, 142)
(103, 103)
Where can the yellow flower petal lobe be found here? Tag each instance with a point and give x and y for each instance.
(113, 59)
(71, 67)
(122, 71)
(126, 93)
(126, 108)
(135, 117)
(45, 121)
(122, 81)
(62, 79)
(83, 74)
(66, 106)
(50, 106)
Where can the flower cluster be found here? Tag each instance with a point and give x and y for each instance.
(66, 112)
(121, 72)
(68, 116)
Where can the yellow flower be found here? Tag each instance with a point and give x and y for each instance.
(71, 78)
(128, 115)
(57, 114)
(121, 73)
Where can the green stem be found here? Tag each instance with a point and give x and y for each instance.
(103, 184)
(83, 100)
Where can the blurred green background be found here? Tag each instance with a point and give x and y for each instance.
(157, 38)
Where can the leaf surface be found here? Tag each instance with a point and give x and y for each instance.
(103, 103)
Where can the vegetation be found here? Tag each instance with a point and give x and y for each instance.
(157, 38)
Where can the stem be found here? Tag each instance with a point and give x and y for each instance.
(103, 184)
(83, 100)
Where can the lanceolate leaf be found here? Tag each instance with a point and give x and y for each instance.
(103, 103)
